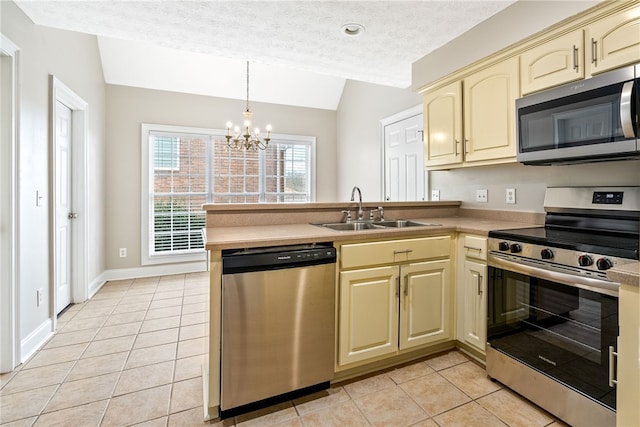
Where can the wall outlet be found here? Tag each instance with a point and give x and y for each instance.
(482, 196)
(510, 195)
(40, 297)
(435, 195)
(123, 252)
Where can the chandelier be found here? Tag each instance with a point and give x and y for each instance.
(245, 138)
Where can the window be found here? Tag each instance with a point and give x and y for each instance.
(184, 168)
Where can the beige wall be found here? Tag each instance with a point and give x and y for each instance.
(359, 161)
(128, 107)
(73, 58)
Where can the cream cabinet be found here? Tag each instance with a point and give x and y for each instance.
(386, 309)
(473, 121)
(558, 61)
(472, 292)
(628, 408)
(608, 43)
(613, 41)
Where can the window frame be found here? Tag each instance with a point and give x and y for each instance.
(147, 178)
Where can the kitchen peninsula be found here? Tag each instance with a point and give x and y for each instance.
(263, 225)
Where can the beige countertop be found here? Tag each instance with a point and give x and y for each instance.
(218, 238)
(627, 273)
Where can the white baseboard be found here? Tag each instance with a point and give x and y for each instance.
(146, 271)
(35, 340)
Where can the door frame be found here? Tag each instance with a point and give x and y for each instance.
(59, 92)
(9, 255)
(402, 115)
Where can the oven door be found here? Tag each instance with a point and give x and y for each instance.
(557, 324)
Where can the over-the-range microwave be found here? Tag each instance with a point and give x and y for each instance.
(590, 120)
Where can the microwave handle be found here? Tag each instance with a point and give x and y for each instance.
(625, 110)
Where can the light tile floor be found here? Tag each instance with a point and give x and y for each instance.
(133, 354)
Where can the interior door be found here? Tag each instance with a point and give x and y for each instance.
(404, 160)
(63, 209)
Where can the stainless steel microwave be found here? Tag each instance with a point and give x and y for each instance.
(595, 119)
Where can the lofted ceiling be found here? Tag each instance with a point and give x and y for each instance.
(298, 50)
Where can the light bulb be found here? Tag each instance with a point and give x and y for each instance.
(268, 128)
(257, 131)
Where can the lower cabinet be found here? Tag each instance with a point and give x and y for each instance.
(472, 292)
(386, 309)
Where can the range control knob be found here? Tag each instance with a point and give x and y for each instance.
(504, 246)
(604, 264)
(515, 248)
(585, 260)
(546, 254)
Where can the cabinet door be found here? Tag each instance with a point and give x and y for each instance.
(443, 125)
(614, 41)
(475, 304)
(424, 303)
(489, 112)
(553, 63)
(368, 317)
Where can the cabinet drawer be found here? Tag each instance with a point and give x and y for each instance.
(475, 247)
(390, 251)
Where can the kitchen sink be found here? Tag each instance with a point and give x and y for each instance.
(369, 225)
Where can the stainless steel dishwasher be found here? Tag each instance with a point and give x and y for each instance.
(278, 316)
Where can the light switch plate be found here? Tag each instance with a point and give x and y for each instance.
(482, 196)
(435, 195)
(510, 195)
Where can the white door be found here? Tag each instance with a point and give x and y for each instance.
(63, 208)
(404, 160)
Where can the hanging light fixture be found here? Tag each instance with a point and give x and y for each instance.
(245, 138)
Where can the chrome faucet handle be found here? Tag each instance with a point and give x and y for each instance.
(371, 217)
(381, 212)
(348, 212)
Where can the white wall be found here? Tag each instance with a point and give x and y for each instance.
(128, 107)
(73, 58)
(361, 108)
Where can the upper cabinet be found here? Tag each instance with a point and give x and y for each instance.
(614, 41)
(608, 43)
(487, 133)
(553, 63)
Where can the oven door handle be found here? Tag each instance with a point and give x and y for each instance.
(589, 283)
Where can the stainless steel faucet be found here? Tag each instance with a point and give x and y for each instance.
(353, 193)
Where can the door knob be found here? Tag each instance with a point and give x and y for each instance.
(72, 215)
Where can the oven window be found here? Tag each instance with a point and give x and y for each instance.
(561, 331)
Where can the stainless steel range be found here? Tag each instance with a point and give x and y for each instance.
(552, 312)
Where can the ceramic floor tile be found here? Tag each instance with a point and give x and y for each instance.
(195, 299)
(410, 372)
(190, 418)
(194, 331)
(144, 377)
(470, 414)
(120, 318)
(126, 307)
(267, 417)
(28, 379)
(85, 415)
(158, 313)
(157, 422)
(186, 395)
(151, 355)
(430, 423)
(5, 377)
(138, 298)
(193, 318)
(514, 410)
(107, 346)
(138, 407)
(447, 360)
(369, 385)
(80, 324)
(346, 414)
(158, 324)
(189, 367)
(196, 290)
(195, 308)
(116, 331)
(164, 303)
(193, 347)
(83, 391)
(150, 339)
(69, 338)
(434, 393)
(390, 407)
(55, 355)
(25, 422)
(99, 365)
(168, 295)
(24, 404)
(471, 379)
(332, 396)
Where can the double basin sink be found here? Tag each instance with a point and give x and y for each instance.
(369, 225)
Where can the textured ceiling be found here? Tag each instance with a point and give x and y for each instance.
(303, 35)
